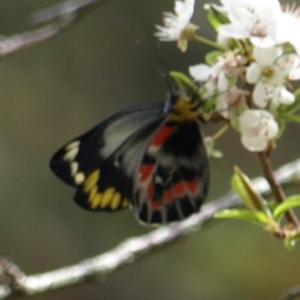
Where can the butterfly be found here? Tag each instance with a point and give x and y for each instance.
(150, 158)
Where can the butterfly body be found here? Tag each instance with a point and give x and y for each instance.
(151, 158)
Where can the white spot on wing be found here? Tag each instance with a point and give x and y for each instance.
(79, 178)
(116, 164)
(74, 168)
(158, 179)
(71, 154)
(73, 145)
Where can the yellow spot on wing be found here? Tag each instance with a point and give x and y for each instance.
(93, 193)
(96, 201)
(115, 202)
(107, 196)
(91, 181)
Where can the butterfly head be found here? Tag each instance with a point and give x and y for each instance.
(182, 107)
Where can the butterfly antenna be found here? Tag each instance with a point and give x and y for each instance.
(159, 66)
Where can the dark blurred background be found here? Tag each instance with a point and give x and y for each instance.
(58, 89)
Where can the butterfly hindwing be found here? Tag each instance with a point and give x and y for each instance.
(173, 178)
(108, 192)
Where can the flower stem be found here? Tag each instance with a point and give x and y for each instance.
(264, 158)
(219, 133)
(206, 41)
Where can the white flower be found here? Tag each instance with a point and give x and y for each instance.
(257, 127)
(290, 26)
(214, 76)
(216, 82)
(175, 24)
(254, 19)
(201, 72)
(270, 74)
(223, 40)
(233, 99)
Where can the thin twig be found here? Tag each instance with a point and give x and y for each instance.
(130, 251)
(61, 16)
(68, 8)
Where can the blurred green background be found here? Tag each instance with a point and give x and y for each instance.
(58, 89)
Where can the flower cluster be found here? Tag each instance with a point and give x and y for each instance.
(249, 75)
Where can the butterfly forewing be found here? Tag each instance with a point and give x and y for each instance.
(79, 163)
(80, 157)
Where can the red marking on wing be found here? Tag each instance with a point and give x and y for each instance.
(193, 185)
(168, 196)
(156, 204)
(180, 188)
(150, 190)
(145, 171)
(162, 135)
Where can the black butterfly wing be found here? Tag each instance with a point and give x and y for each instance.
(79, 162)
(173, 177)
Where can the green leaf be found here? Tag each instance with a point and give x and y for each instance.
(182, 80)
(216, 153)
(213, 21)
(212, 57)
(290, 244)
(235, 120)
(216, 18)
(290, 203)
(282, 127)
(232, 81)
(292, 241)
(242, 185)
(257, 217)
(289, 117)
